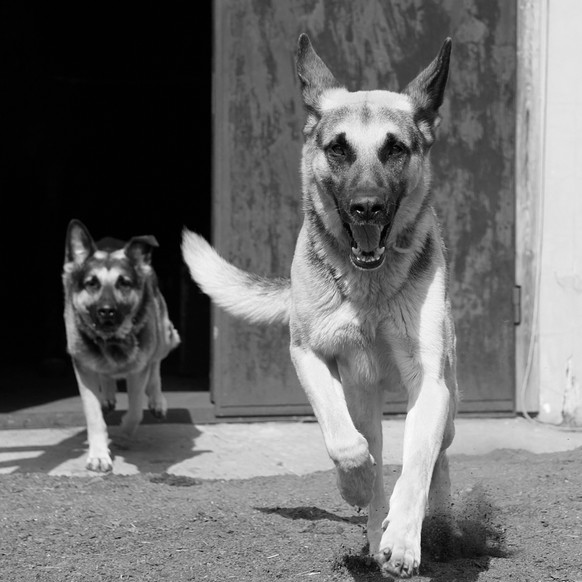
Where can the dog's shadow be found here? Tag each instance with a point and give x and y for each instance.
(311, 513)
(156, 447)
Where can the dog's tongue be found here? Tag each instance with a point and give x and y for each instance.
(367, 236)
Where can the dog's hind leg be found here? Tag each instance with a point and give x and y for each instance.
(156, 400)
(439, 498)
(365, 403)
(136, 385)
(99, 458)
(346, 445)
(108, 392)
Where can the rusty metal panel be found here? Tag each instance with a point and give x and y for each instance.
(258, 117)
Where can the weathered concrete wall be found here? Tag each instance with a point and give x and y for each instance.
(560, 300)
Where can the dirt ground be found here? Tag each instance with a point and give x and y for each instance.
(520, 515)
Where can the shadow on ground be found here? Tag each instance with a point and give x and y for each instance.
(311, 513)
(154, 449)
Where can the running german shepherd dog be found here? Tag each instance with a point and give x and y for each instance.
(367, 301)
(117, 327)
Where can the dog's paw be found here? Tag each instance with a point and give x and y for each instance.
(108, 406)
(158, 406)
(122, 441)
(399, 553)
(356, 485)
(129, 425)
(356, 473)
(100, 463)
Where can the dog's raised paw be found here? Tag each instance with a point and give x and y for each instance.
(356, 483)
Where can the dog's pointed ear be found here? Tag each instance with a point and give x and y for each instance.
(427, 90)
(79, 243)
(140, 248)
(313, 74)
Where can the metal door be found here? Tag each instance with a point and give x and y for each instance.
(258, 117)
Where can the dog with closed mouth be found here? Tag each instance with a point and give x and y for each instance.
(117, 327)
(366, 302)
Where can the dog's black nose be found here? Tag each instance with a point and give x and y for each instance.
(366, 208)
(106, 312)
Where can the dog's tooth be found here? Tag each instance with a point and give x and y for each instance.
(368, 257)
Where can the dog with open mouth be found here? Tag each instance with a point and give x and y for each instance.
(367, 302)
(117, 327)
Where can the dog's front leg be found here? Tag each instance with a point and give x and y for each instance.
(136, 388)
(346, 446)
(423, 436)
(428, 431)
(156, 400)
(99, 458)
(108, 393)
(365, 400)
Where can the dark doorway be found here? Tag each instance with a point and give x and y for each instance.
(106, 118)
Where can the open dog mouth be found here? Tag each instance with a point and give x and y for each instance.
(368, 245)
(107, 329)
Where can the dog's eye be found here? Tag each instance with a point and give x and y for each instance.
(124, 283)
(397, 149)
(392, 149)
(92, 284)
(337, 150)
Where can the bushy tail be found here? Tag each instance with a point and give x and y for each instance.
(256, 299)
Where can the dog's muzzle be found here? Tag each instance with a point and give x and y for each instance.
(106, 319)
(367, 218)
(367, 245)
